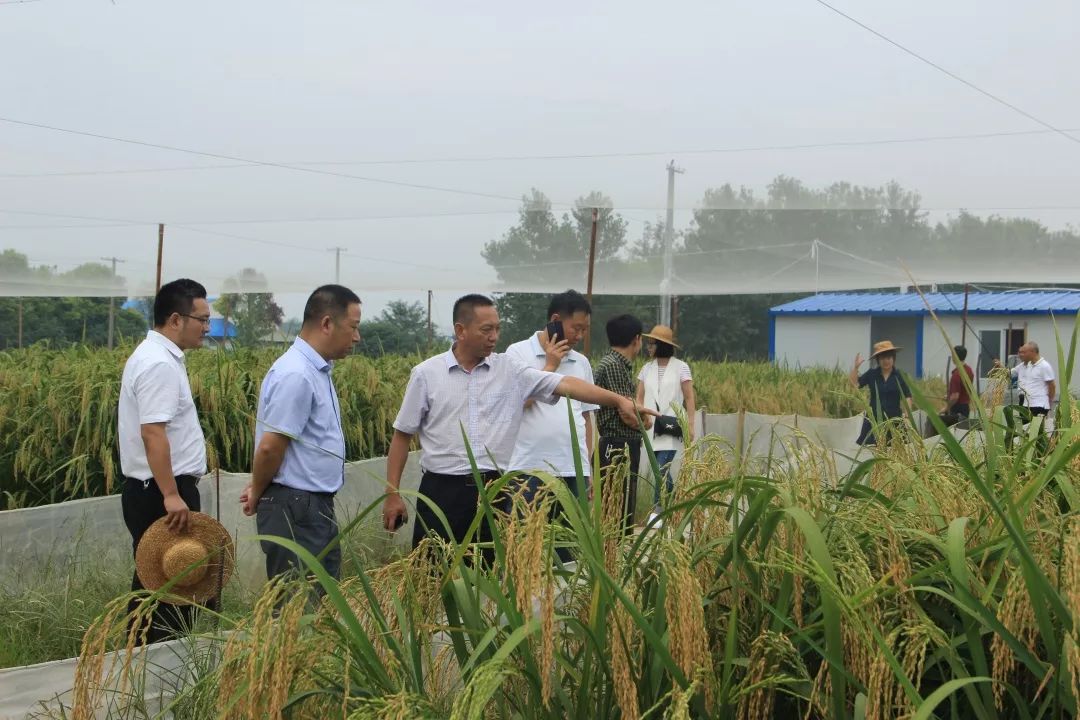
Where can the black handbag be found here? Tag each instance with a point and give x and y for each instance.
(667, 425)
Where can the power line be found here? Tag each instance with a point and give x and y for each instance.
(107, 223)
(264, 163)
(203, 231)
(578, 156)
(950, 74)
(277, 243)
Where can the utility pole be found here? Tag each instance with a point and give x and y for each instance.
(112, 300)
(430, 327)
(675, 315)
(592, 267)
(669, 239)
(160, 247)
(20, 322)
(337, 263)
(964, 321)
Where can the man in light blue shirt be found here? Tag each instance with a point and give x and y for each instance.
(299, 462)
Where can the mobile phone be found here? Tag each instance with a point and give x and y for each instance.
(555, 331)
(399, 521)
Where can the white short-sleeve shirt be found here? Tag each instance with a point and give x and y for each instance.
(155, 389)
(1032, 379)
(487, 401)
(543, 441)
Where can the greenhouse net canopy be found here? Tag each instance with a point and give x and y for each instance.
(734, 244)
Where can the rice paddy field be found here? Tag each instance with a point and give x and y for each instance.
(58, 410)
(932, 581)
(935, 579)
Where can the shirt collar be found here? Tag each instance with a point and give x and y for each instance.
(538, 349)
(155, 336)
(317, 361)
(452, 361)
(621, 358)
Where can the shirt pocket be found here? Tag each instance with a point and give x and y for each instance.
(498, 406)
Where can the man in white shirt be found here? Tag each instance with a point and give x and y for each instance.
(1035, 378)
(162, 450)
(471, 387)
(544, 442)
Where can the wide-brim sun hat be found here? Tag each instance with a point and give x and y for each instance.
(885, 346)
(200, 559)
(662, 333)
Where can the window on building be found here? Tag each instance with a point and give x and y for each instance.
(1014, 338)
(989, 350)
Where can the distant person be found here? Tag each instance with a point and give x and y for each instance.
(890, 395)
(162, 449)
(664, 383)
(543, 440)
(299, 462)
(471, 386)
(618, 437)
(1035, 378)
(959, 403)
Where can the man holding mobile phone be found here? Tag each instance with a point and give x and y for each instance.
(544, 442)
(472, 387)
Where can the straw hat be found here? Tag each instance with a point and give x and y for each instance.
(883, 347)
(205, 547)
(662, 333)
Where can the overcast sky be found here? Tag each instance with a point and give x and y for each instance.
(329, 81)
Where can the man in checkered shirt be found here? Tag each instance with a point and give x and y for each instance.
(619, 439)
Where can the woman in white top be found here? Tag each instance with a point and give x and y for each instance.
(664, 384)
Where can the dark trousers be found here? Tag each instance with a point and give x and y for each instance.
(143, 504)
(557, 514)
(962, 409)
(458, 498)
(612, 450)
(305, 517)
(1025, 415)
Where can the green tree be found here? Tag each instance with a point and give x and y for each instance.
(248, 304)
(401, 328)
(544, 250)
(59, 320)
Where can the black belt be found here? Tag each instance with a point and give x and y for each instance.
(485, 475)
(317, 493)
(177, 478)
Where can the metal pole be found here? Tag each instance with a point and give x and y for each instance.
(675, 315)
(669, 235)
(112, 301)
(963, 331)
(160, 246)
(592, 267)
(337, 263)
(20, 322)
(112, 320)
(430, 327)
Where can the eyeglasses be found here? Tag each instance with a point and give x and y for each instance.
(204, 320)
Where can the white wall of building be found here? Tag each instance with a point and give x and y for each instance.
(821, 340)
(832, 340)
(1040, 329)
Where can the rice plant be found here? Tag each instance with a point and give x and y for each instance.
(58, 409)
(936, 579)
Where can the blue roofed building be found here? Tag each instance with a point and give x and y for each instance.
(830, 328)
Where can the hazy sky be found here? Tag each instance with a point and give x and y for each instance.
(359, 82)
